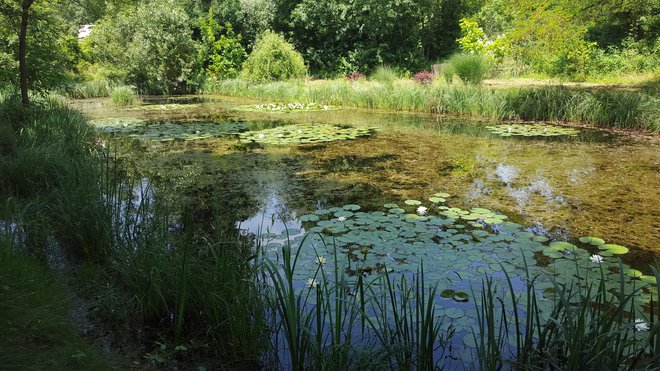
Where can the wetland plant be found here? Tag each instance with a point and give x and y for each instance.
(122, 96)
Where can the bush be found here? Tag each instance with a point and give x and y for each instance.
(273, 59)
(384, 75)
(423, 77)
(122, 96)
(471, 68)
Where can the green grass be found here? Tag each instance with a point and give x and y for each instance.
(604, 108)
(36, 331)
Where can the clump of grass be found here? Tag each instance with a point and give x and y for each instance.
(385, 75)
(471, 68)
(122, 96)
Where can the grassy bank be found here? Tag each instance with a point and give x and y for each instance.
(605, 108)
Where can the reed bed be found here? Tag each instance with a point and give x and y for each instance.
(606, 108)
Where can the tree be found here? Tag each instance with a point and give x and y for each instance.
(221, 53)
(152, 42)
(272, 59)
(38, 42)
(22, 49)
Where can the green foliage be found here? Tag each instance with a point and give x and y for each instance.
(51, 170)
(273, 58)
(152, 42)
(52, 50)
(122, 96)
(221, 54)
(474, 40)
(471, 68)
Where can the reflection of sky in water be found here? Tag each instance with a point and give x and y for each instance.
(272, 217)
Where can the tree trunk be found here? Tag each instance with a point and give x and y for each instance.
(22, 47)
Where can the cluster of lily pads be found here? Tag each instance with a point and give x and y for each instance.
(531, 130)
(166, 107)
(167, 131)
(285, 107)
(304, 134)
(458, 249)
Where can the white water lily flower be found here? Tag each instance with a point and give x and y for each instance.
(312, 283)
(197, 131)
(640, 325)
(325, 108)
(125, 125)
(421, 210)
(280, 135)
(261, 135)
(596, 259)
(341, 218)
(299, 131)
(320, 260)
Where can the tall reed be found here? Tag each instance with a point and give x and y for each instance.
(608, 108)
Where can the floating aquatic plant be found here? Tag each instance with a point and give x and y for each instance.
(118, 124)
(531, 130)
(166, 107)
(285, 107)
(304, 134)
(187, 131)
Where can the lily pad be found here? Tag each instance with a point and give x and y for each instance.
(413, 202)
(592, 240)
(304, 134)
(531, 130)
(285, 107)
(309, 218)
(447, 294)
(614, 249)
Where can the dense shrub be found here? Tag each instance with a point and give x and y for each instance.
(471, 68)
(272, 59)
(423, 77)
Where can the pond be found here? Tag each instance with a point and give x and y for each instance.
(391, 191)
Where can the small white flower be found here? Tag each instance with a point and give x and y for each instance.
(341, 218)
(508, 129)
(325, 108)
(640, 325)
(299, 131)
(596, 259)
(421, 210)
(197, 131)
(162, 106)
(261, 135)
(125, 125)
(312, 283)
(280, 135)
(320, 260)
